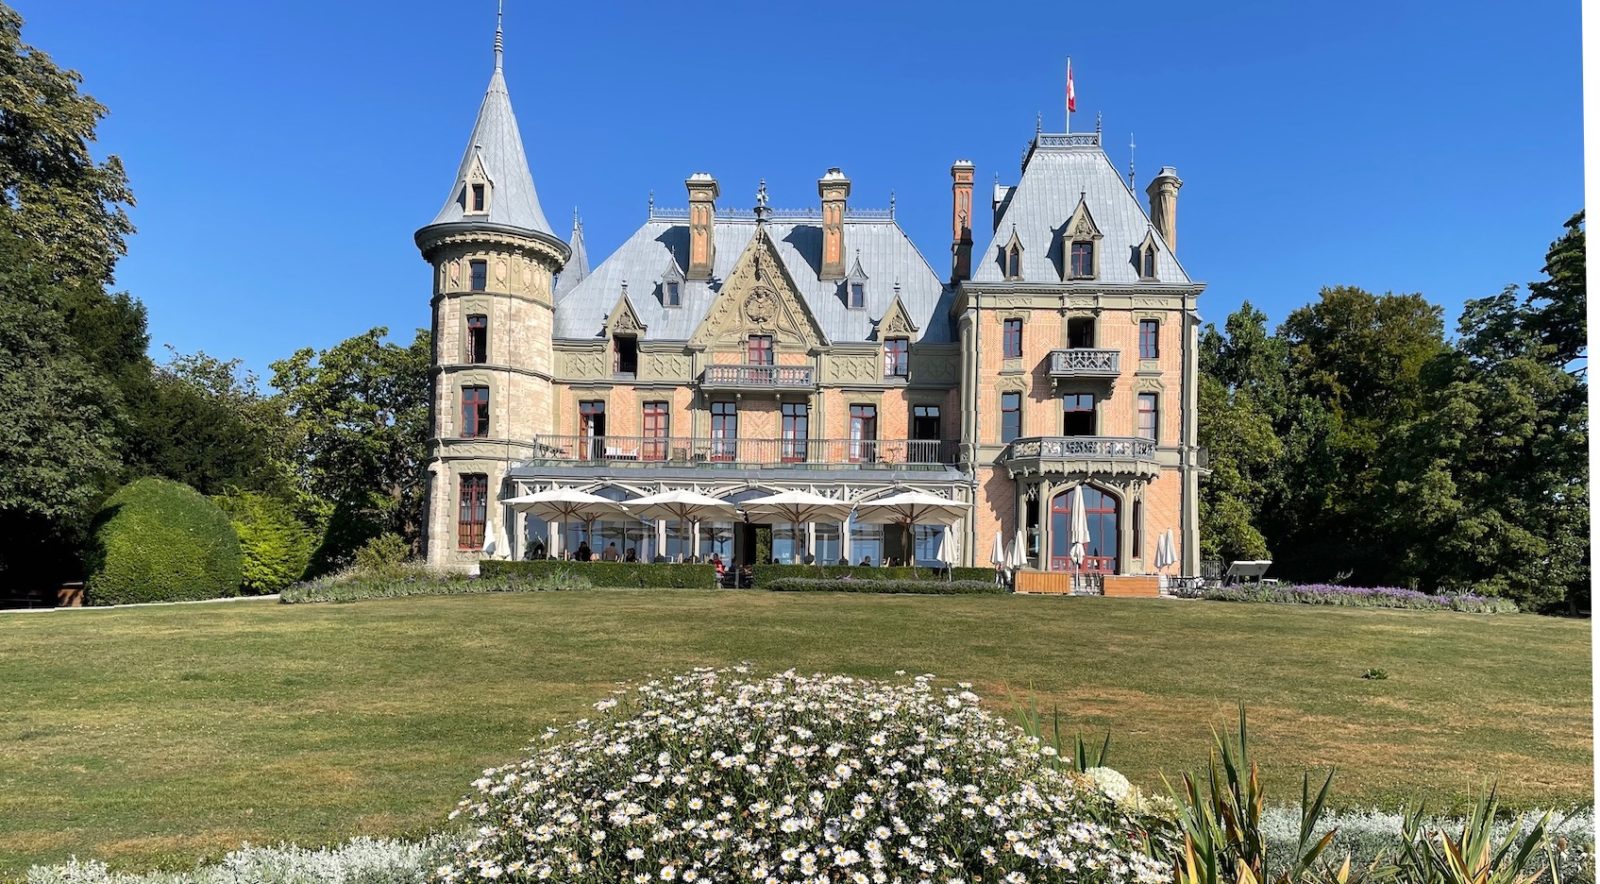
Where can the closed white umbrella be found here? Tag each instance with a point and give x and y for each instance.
(1166, 551)
(567, 505)
(948, 551)
(910, 509)
(1018, 559)
(997, 557)
(798, 507)
(681, 506)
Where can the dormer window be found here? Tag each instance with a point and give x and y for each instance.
(671, 294)
(857, 296)
(480, 197)
(855, 286)
(1147, 262)
(1011, 257)
(475, 189)
(1083, 259)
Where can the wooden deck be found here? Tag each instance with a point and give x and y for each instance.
(1060, 583)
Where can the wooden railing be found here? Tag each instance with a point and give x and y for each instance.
(781, 377)
(693, 451)
(1085, 363)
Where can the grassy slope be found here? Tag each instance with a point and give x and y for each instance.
(158, 735)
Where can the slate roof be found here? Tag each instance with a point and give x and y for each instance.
(577, 267)
(1059, 170)
(513, 201)
(885, 253)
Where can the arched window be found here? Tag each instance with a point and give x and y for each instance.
(1100, 518)
(1148, 263)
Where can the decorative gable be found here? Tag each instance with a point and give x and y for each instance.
(1145, 256)
(759, 298)
(477, 190)
(896, 321)
(1080, 244)
(1011, 256)
(669, 291)
(624, 319)
(855, 286)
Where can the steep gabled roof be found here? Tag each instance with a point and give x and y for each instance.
(577, 266)
(497, 142)
(1061, 172)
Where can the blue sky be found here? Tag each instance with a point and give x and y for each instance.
(284, 153)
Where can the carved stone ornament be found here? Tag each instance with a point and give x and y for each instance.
(455, 271)
(761, 306)
(626, 323)
(500, 271)
(897, 325)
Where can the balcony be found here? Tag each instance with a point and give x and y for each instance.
(737, 453)
(1081, 455)
(1085, 363)
(758, 377)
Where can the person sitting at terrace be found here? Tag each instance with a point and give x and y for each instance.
(632, 555)
(538, 550)
(844, 562)
(716, 562)
(809, 559)
(610, 553)
(584, 552)
(866, 562)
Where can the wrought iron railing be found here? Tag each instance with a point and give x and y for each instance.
(742, 452)
(1080, 363)
(1087, 447)
(1070, 139)
(783, 377)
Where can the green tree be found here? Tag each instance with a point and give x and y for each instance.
(1244, 450)
(276, 547)
(155, 541)
(359, 433)
(53, 191)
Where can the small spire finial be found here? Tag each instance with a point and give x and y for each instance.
(891, 205)
(1097, 122)
(499, 34)
(652, 202)
(1131, 146)
(761, 202)
(1038, 122)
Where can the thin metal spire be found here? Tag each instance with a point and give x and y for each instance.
(891, 204)
(1131, 146)
(1097, 122)
(1038, 122)
(499, 35)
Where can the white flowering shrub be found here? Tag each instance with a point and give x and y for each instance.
(720, 775)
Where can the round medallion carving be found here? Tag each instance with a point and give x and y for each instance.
(761, 306)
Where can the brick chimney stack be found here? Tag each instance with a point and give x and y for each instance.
(1163, 193)
(703, 195)
(961, 220)
(834, 188)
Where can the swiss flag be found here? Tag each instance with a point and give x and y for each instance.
(1072, 93)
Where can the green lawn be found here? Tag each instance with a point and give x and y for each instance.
(158, 735)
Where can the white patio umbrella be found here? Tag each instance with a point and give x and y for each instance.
(1166, 551)
(948, 552)
(567, 505)
(682, 506)
(997, 556)
(491, 540)
(910, 509)
(798, 507)
(1017, 558)
(1080, 528)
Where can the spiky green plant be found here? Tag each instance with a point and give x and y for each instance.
(1084, 754)
(1472, 857)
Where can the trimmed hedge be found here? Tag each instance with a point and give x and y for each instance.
(161, 541)
(1361, 597)
(766, 573)
(921, 587)
(276, 547)
(627, 574)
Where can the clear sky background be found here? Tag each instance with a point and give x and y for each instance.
(283, 153)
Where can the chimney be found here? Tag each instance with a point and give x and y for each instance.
(834, 189)
(961, 220)
(1163, 192)
(702, 216)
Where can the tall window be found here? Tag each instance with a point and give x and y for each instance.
(1083, 259)
(758, 350)
(1147, 262)
(1080, 332)
(1147, 416)
(863, 432)
(925, 422)
(857, 299)
(896, 357)
(478, 198)
(724, 430)
(474, 412)
(1013, 339)
(592, 428)
(477, 339)
(1100, 514)
(480, 275)
(1014, 262)
(796, 429)
(625, 358)
(671, 295)
(1149, 339)
(473, 511)
(654, 425)
(1010, 416)
(1077, 414)
(1138, 529)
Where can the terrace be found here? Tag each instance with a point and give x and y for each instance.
(744, 454)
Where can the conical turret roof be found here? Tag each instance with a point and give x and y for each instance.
(496, 142)
(577, 266)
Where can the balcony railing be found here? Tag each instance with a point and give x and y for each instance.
(1065, 455)
(758, 377)
(1085, 363)
(743, 453)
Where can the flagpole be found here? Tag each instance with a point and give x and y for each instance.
(1068, 94)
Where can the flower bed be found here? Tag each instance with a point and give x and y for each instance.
(921, 587)
(413, 580)
(721, 776)
(631, 574)
(1361, 597)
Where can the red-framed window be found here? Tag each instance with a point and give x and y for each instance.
(1013, 339)
(724, 430)
(758, 350)
(1100, 516)
(1149, 339)
(1083, 258)
(477, 338)
(1077, 414)
(479, 271)
(592, 428)
(896, 357)
(655, 423)
(1148, 419)
(474, 412)
(863, 433)
(1010, 416)
(472, 512)
(796, 430)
